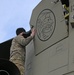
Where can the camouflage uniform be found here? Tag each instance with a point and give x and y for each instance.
(18, 52)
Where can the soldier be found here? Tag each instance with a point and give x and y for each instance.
(17, 49)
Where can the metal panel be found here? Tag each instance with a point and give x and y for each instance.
(50, 24)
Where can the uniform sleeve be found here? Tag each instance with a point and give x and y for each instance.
(23, 41)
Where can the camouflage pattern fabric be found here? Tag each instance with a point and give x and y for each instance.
(18, 52)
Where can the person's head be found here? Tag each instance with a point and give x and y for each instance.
(20, 30)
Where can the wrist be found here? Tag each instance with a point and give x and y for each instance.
(32, 36)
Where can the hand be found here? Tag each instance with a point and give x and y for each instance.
(33, 32)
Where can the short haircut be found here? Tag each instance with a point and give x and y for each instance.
(20, 30)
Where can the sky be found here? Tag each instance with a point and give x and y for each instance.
(15, 14)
